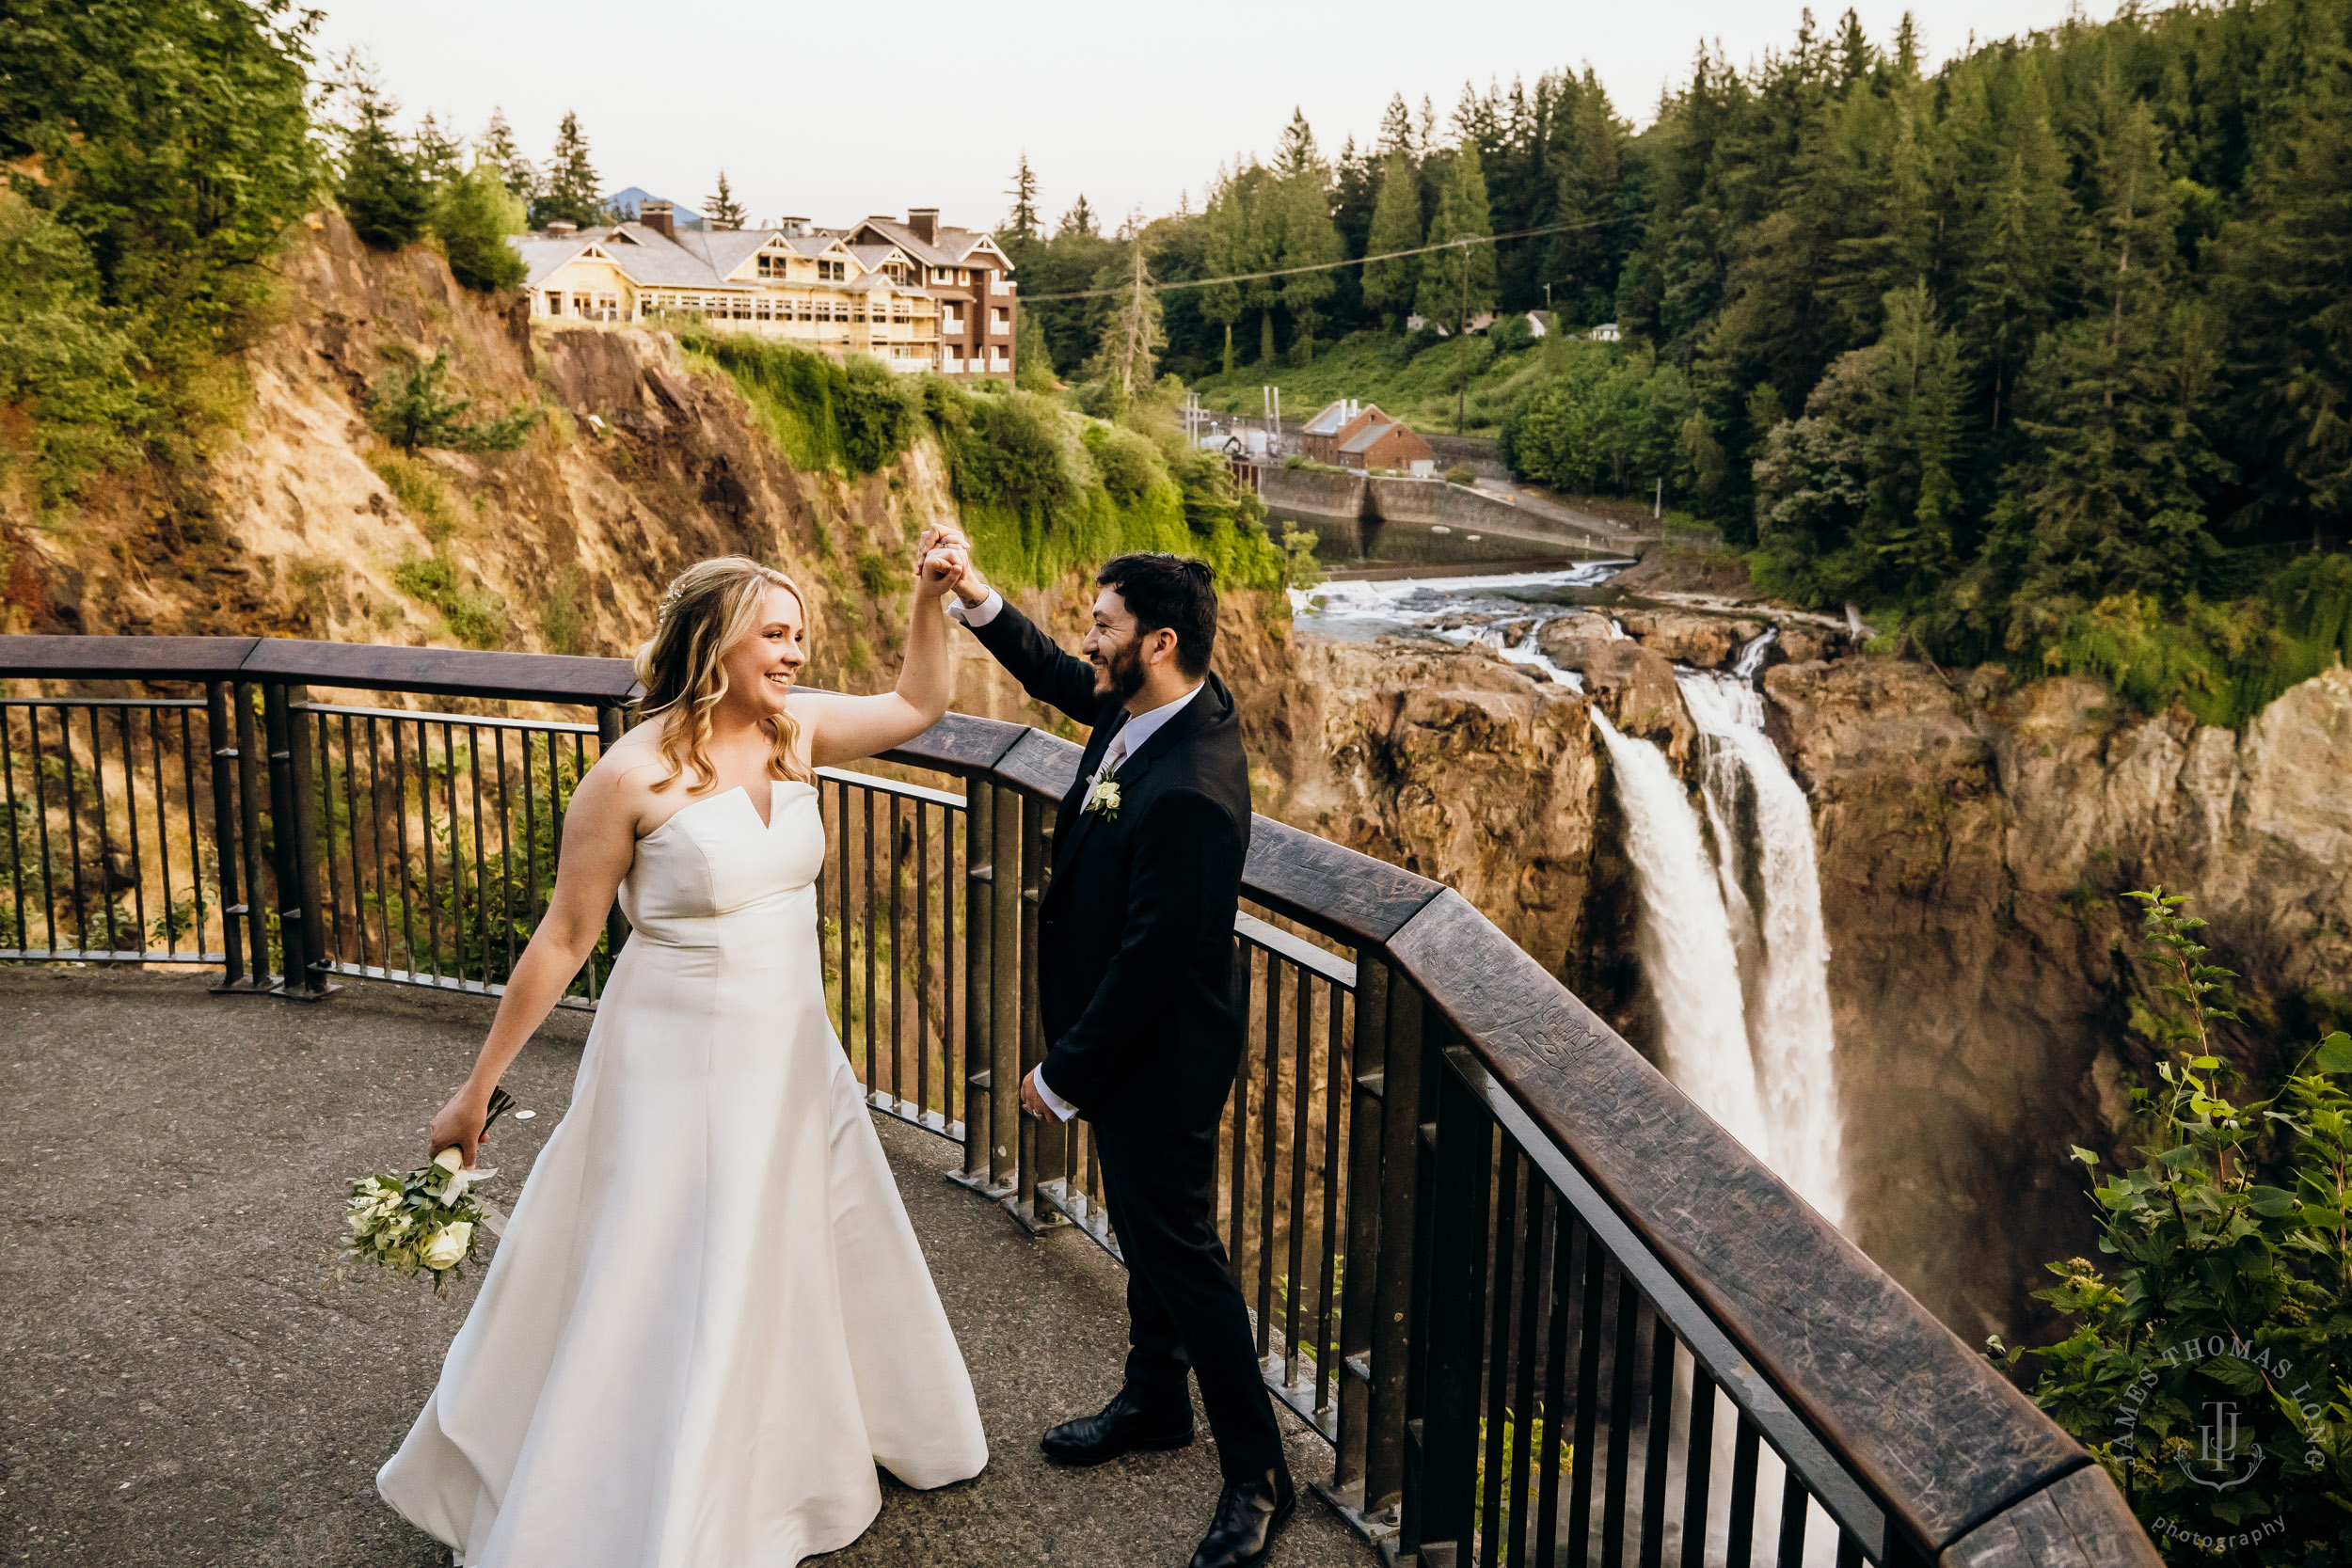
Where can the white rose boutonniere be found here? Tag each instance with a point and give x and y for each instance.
(1104, 797)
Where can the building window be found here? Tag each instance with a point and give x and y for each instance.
(555, 304)
(1003, 317)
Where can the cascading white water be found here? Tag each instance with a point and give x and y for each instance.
(1751, 797)
(1688, 963)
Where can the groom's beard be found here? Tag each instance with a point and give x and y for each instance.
(1121, 675)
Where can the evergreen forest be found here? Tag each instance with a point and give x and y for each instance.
(2047, 350)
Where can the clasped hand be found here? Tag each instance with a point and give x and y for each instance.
(947, 549)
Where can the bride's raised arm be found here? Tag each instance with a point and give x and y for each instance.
(843, 729)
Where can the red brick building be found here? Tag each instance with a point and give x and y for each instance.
(970, 277)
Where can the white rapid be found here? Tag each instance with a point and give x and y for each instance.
(1684, 935)
(1764, 859)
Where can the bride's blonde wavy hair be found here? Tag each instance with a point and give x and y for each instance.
(709, 607)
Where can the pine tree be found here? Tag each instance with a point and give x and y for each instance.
(573, 192)
(719, 209)
(496, 147)
(440, 157)
(1307, 238)
(1458, 284)
(1020, 224)
(383, 191)
(1396, 130)
(1581, 260)
(1390, 286)
(1080, 218)
(1134, 334)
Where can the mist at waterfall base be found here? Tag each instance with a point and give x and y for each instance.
(1734, 954)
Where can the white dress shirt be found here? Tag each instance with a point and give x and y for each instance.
(1139, 727)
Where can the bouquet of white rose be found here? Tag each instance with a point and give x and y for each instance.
(426, 1221)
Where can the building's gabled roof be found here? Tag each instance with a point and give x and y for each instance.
(1366, 438)
(948, 248)
(959, 245)
(1336, 414)
(873, 258)
(724, 250)
(545, 255)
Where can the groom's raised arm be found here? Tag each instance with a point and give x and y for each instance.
(1187, 862)
(1044, 670)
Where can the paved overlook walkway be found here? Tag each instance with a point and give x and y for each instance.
(187, 1381)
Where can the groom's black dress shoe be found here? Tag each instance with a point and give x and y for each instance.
(1248, 1514)
(1123, 1426)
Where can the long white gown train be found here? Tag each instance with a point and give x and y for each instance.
(709, 1319)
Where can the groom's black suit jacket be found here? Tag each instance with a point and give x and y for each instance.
(1136, 932)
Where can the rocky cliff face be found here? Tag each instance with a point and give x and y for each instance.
(1975, 843)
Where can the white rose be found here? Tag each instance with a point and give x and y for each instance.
(448, 1246)
(453, 1187)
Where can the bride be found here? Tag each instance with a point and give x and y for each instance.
(709, 1319)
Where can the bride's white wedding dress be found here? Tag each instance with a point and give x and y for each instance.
(709, 1319)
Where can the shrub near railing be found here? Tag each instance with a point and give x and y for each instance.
(1535, 1299)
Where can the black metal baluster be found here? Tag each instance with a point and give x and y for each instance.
(16, 828)
(221, 762)
(1302, 1101)
(131, 809)
(873, 997)
(1848, 1551)
(41, 819)
(400, 836)
(456, 898)
(1451, 1352)
(953, 962)
(898, 966)
(1661, 1415)
(1739, 1549)
(1336, 1072)
(351, 842)
(375, 842)
(252, 776)
(1587, 1400)
(923, 973)
(506, 843)
(1535, 1225)
(105, 836)
(1270, 1135)
(1623, 1357)
(163, 836)
(73, 828)
(1793, 1501)
(481, 855)
(195, 855)
(1237, 1178)
(1562, 1307)
(331, 904)
(841, 817)
(1698, 1461)
(1500, 1417)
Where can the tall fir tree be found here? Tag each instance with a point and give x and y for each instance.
(1306, 236)
(1390, 286)
(440, 156)
(719, 208)
(496, 147)
(573, 193)
(1457, 284)
(383, 190)
(1021, 223)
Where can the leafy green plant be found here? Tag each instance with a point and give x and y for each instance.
(409, 409)
(2209, 1374)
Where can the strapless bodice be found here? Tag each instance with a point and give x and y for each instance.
(714, 869)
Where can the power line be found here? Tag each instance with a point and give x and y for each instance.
(1463, 242)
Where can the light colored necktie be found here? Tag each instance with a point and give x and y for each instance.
(1111, 759)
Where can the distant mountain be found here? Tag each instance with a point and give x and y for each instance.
(626, 202)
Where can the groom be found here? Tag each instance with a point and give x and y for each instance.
(1136, 938)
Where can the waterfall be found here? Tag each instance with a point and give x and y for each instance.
(1687, 962)
(1734, 952)
(1752, 800)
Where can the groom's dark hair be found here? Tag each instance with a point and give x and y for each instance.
(1169, 592)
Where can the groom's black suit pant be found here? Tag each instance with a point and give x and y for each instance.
(1184, 1309)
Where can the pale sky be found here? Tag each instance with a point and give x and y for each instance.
(841, 111)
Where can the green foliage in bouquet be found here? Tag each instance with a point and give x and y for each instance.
(425, 1222)
(2209, 1374)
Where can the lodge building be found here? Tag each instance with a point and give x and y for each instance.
(915, 295)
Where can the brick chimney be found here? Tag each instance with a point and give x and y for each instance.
(794, 226)
(561, 228)
(925, 222)
(660, 217)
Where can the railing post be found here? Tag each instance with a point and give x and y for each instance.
(1045, 1144)
(1393, 1343)
(979, 930)
(1004, 994)
(1363, 1244)
(224, 783)
(1441, 1466)
(249, 817)
(615, 923)
(293, 843)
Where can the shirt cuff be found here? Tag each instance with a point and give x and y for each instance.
(976, 616)
(1061, 1108)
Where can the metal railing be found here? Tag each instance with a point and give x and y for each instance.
(1541, 1307)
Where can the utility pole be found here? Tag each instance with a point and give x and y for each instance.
(1461, 325)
